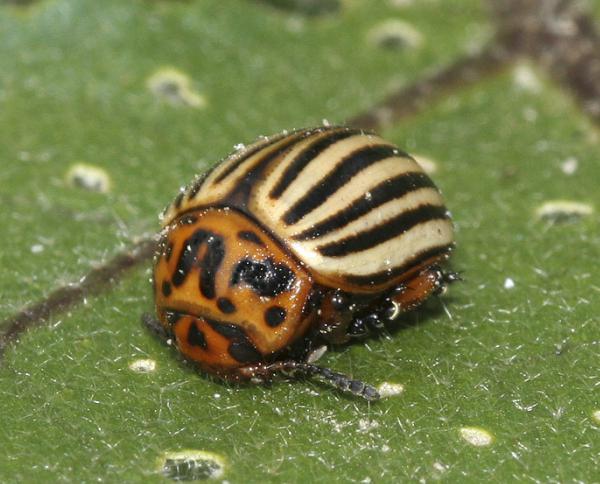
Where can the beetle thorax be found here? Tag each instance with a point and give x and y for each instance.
(227, 289)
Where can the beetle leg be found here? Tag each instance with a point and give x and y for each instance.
(300, 369)
(371, 323)
(413, 292)
(156, 327)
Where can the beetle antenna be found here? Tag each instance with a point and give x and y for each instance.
(337, 380)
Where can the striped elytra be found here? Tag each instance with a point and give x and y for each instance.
(311, 237)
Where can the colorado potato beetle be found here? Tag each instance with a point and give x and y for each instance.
(300, 240)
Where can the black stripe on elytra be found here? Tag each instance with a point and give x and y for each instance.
(240, 348)
(178, 200)
(347, 168)
(387, 275)
(265, 277)
(196, 185)
(238, 196)
(250, 236)
(386, 191)
(209, 264)
(234, 164)
(387, 230)
(195, 336)
(308, 154)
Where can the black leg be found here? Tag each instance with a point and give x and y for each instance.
(299, 369)
(156, 327)
(373, 322)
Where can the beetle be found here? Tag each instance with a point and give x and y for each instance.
(301, 240)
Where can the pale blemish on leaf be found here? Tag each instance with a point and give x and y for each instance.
(569, 166)
(37, 248)
(509, 283)
(562, 211)
(144, 365)
(476, 436)
(175, 88)
(526, 78)
(89, 177)
(596, 416)
(191, 465)
(389, 389)
(366, 425)
(395, 35)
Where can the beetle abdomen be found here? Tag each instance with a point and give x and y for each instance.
(360, 213)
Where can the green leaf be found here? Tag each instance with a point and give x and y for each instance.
(510, 354)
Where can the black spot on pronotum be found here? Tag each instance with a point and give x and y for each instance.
(166, 288)
(195, 336)
(266, 277)
(241, 348)
(225, 305)
(250, 236)
(208, 264)
(230, 331)
(275, 315)
(244, 352)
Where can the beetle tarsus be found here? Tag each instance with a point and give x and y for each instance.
(298, 369)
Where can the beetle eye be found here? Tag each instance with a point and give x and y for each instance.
(265, 277)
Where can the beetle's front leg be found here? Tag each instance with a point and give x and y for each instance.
(154, 325)
(264, 373)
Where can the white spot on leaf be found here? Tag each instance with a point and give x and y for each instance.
(509, 283)
(476, 436)
(366, 425)
(88, 177)
(395, 35)
(191, 465)
(389, 389)
(569, 166)
(174, 87)
(37, 248)
(561, 211)
(596, 416)
(526, 79)
(143, 366)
